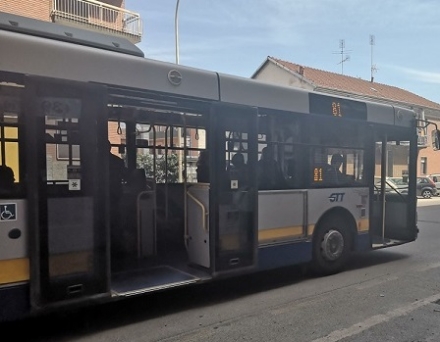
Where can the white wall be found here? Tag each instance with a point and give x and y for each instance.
(272, 73)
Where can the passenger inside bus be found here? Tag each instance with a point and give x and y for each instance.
(238, 170)
(203, 167)
(7, 180)
(292, 177)
(128, 218)
(137, 181)
(336, 163)
(117, 174)
(270, 176)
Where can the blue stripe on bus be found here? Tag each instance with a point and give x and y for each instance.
(270, 257)
(15, 302)
(362, 243)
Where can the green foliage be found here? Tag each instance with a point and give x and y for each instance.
(146, 161)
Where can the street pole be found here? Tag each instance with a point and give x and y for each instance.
(179, 129)
(176, 28)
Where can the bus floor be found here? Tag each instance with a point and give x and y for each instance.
(132, 276)
(383, 242)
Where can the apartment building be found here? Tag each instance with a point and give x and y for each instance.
(109, 16)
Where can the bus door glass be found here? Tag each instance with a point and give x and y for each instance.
(394, 200)
(233, 196)
(66, 154)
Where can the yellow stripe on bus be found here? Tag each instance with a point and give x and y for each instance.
(363, 225)
(279, 233)
(229, 242)
(14, 270)
(68, 263)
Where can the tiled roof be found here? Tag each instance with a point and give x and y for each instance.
(338, 82)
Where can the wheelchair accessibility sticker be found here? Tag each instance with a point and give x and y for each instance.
(8, 212)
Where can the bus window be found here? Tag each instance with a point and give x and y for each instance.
(9, 141)
(332, 167)
(281, 136)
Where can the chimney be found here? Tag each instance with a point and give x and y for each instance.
(301, 70)
(372, 79)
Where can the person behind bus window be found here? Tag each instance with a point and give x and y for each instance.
(292, 176)
(7, 180)
(117, 174)
(270, 176)
(336, 163)
(203, 167)
(238, 170)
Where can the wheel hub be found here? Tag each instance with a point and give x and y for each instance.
(332, 245)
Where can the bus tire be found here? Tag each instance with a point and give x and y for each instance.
(332, 245)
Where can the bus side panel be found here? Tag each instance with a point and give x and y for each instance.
(13, 234)
(353, 200)
(14, 259)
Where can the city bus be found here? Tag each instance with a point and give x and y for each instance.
(220, 176)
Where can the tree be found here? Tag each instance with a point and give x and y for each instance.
(146, 161)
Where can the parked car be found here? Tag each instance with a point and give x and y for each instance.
(390, 186)
(436, 179)
(425, 186)
(398, 183)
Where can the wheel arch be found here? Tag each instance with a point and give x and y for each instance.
(347, 217)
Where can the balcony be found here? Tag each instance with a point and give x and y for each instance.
(99, 17)
(422, 141)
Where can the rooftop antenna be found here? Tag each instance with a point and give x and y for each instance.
(344, 57)
(373, 67)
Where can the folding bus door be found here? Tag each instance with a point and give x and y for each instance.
(393, 212)
(66, 159)
(233, 195)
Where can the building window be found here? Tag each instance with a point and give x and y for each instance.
(423, 165)
(63, 152)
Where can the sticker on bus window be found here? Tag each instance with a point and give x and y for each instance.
(74, 184)
(74, 177)
(8, 212)
(234, 184)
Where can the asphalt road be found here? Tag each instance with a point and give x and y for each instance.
(386, 295)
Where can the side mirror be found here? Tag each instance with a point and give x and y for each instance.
(435, 137)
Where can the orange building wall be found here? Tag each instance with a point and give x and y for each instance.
(433, 157)
(36, 9)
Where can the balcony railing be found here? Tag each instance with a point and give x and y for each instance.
(98, 16)
(422, 141)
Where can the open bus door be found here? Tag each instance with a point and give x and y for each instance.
(65, 162)
(233, 198)
(394, 206)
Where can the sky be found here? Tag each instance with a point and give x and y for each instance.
(236, 36)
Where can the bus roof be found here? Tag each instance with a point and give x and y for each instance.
(69, 34)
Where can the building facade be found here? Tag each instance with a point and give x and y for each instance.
(107, 16)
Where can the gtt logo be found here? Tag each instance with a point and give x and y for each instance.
(336, 197)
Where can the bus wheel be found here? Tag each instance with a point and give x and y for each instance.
(331, 246)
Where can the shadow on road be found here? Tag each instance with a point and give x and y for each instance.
(72, 325)
(373, 258)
